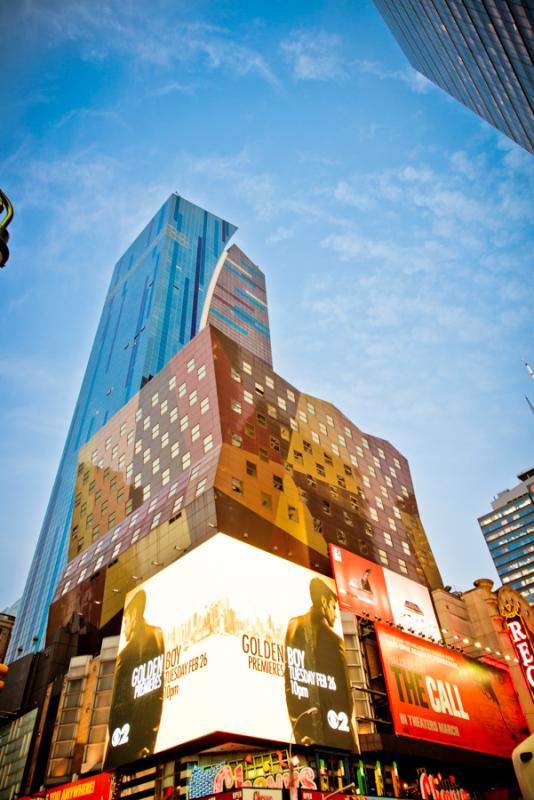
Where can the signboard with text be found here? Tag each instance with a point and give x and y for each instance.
(369, 589)
(439, 695)
(229, 638)
(97, 787)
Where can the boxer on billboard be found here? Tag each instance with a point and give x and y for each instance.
(137, 689)
(316, 674)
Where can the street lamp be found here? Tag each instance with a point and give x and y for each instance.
(308, 712)
(5, 206)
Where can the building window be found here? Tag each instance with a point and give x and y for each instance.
(406, 548)
(275, 444)
(271, 410)
(259, 389)
(165, 439)
(146, 423)
(282, 404)
(315, 437)
(193, 397)
(341, 536)
(146, 492)
(165, 476)
(402, 566)
(172, 382)
(297, 455)
(248, 398)
(175, 449)
(204, 405)
(327, 460)
(186, 460)
(341, 481)
(201, 372)
(388, 540)
(174, 415)
(247, 368)
(383, 556)
(290, 395)
(201, 486)
(237, 441)
(208, 442)
(263, 454)
(155, 520)
(182, 389)
(306, 446)
(278, 483)
(237, 486)
(311, 481)
(195, 433)
(266, 500)
(317, 525)
(251, 469)
(163, 407)
(236, 406)
(155, 466)
(155, 431)
(373, 513)
(329, 421)
(155, 399)
(250, 430)
(326, 507)
(262, 420)
(292, 513)
(146, 455)
(190, 366)
(320, 470)
(235, 375)
(269, 382)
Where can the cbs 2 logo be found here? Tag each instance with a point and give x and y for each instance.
(120, 735)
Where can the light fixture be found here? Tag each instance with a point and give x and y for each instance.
(465, 641)
(156, 563)
(115, 590)
(477, 644)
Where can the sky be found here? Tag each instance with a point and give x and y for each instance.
(393, 225)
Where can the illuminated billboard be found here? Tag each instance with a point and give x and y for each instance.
(370, 590)
(441, 696)
(203, 649)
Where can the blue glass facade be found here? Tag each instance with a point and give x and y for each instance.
(153, 307)
(509, 534)
(481, 53)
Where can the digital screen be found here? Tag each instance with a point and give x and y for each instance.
(229, 638)
(441, 696)
(369, 589)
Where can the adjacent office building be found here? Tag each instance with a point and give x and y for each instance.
(509, 533)
(153, 307)
(479, 51)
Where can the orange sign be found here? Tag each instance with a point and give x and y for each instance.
(441, 696)
(96, 787)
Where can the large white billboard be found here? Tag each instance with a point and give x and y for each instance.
(229, 638)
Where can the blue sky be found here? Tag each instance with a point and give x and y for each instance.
(393, 225)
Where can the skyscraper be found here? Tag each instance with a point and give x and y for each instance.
(509, 533)
(153, 307)
(479, 52)
(219, 442)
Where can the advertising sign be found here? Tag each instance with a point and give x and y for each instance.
(96, 787)
(370, 590)
(441, 696)
(229, 638)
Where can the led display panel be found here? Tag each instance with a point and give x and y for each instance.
(370, 590)
(440, 696)
(229, 638)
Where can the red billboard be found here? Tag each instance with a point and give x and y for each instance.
(371, 590)
(441, 696)
(97, 787)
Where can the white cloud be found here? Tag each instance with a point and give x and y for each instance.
(409, 77)
(314, 55)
